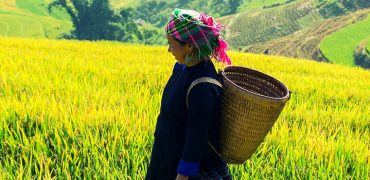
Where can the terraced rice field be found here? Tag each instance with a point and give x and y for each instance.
(305, 43)
(264, 25)
(72, 109)
(30, 18)
(339, 47)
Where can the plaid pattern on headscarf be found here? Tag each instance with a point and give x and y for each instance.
(199, 30)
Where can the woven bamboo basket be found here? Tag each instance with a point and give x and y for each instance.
(251, 103)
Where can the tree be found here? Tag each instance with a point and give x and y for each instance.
(95, 20)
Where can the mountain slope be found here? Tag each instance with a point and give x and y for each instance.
(295, 29)
(264, 25)
(117, 4)
(259, 4)
(291, 28)
(339, 47)
(305, 43)
(30, 18)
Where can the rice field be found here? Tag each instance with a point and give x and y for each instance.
(339, 47)
(258, 4)
(75, 109)
(269, 24)
(30, 18)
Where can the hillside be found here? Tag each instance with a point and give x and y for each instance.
(270, 24)
(258, 4)
(163, 9)
(273, 23)
(296, 29)
(243, 5)
(293, 28)
(30, 18)
(305, 43)
(117, 4)
(73, 109)
(339, 46)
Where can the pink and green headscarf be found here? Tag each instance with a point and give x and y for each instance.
(201, 31)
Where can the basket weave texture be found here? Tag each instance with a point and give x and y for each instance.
(251, 103)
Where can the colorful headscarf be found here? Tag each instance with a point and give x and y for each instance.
(201, 31)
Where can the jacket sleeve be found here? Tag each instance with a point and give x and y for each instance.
(201, 99)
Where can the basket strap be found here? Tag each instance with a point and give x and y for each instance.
(215, 150)
(201, 80)
(204, 80)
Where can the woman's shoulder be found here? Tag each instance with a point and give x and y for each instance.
(206, 69)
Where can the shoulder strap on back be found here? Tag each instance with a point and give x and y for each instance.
(201, 80)
(196, 82)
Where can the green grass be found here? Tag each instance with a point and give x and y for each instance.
(34, 6)
(40, 8)
(73, 109)
(123, 3)
(258, 4)
(8, 12)
(24, 26)
(30, 18)
(339, 47)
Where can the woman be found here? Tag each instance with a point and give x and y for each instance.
(187, 122)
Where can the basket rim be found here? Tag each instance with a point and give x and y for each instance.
(286, 97)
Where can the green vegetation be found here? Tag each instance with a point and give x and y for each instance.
(259, 25)
(96, 20)
(333, 8)
(294, 29)
(304, 44)
(339, 47)
(72, 109)
(286, 19)
(40, 8)
(258, 4)
(33, 7)
(256, 27)
(241, 6)
(151, 24)
(362, 55)
(118, 4)
(30, 18)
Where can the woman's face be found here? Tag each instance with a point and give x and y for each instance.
(178, 50)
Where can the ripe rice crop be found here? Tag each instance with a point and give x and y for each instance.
(73, 109)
